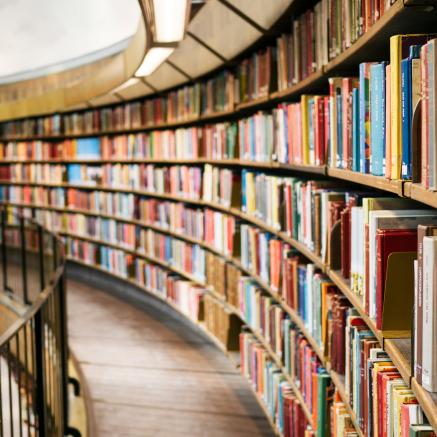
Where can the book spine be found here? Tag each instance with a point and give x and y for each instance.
(406, 119)
(355, 130)
(395, 106)
(365, 151)
(429, 353)
(432, 117)
(418, 343)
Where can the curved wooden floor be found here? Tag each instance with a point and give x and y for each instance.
(151, 374)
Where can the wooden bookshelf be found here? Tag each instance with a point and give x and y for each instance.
(371, 46)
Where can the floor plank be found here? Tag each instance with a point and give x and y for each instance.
(150, 375)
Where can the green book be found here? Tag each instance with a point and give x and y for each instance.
(323, 399)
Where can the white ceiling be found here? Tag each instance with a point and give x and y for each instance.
(43, 36)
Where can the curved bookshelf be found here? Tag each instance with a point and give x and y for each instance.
(398, 354)
(370, 46)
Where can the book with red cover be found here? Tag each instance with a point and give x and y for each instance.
(387, 242)
(405, 417)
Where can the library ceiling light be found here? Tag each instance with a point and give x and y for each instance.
(130, 82)
(166, 22)
(153, 59)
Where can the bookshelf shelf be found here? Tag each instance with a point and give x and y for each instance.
(314, 81)
(379, 182)
(399, 350)
(417, 192)
(427, 400)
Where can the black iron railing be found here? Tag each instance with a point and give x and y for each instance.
(33, 348)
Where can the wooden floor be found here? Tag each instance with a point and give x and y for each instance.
(150, 375)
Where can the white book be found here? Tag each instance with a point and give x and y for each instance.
(391, 219)
(355, 211)
(416, 305)
(429, 352)
(389, 402)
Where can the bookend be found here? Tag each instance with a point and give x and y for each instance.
(233, 337)
(334, 249)
(397, 310)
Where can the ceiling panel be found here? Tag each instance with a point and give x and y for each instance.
(222, 29)
(106, 99)
(194, 58)
(136, 90)
(258, 12)
(165, 77)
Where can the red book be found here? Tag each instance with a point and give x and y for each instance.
(319, 122)
(389, 241)
(405, 417)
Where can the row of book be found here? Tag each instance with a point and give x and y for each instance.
(181, 255)
(209, 141)
(215, 228)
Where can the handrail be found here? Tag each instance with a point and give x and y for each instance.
(34, 349)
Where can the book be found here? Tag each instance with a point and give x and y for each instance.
(429, 352)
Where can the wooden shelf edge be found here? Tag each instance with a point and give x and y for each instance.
(399, 359)
(368, 180)
(428, 402)
(417, 192)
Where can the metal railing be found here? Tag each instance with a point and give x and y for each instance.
(34, 348)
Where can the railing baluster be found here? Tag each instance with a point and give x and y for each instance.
(11, 406)
(4, 259)
(41, 398)
(41, 257)
(23, 261)
(1, 393)
(27, 372)
(19, 379)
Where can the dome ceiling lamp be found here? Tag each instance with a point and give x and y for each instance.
(166, 23)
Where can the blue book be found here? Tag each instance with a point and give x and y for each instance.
(364, 105)
(407, 111)
(252, 138)
(74, 173)
(377, 118)
(340, 159)
(355, 130)
(243, 190)
(88, 148)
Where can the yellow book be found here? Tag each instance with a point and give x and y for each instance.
(250, 193)
(378, 367)
(305, 128)
(400, 396)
